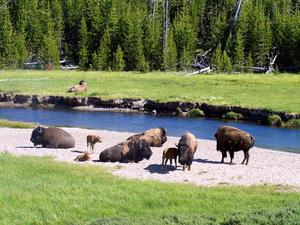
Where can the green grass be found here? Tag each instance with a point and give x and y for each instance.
(273, 92)
(16, 124)
(232, 116)
(41, 191)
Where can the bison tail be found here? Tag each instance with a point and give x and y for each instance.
(252, 141)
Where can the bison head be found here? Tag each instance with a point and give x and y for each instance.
(37, 136)
(164, 134)
(145, 150)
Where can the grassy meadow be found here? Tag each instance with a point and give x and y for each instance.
(42, 191)
(16, 124)
(273, 92)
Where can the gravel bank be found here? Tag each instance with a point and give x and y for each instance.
(265, 166)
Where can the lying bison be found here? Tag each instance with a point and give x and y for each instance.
(187, 147)
(52, 137)
(128, 151)
(232, 139)
(155, 137)
(81, 87)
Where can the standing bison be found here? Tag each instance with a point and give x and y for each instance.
(52, 137)
(128, 151)
(187, 147)
(155, 137)
(232, 139)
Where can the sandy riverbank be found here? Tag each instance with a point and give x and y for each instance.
(265, 166)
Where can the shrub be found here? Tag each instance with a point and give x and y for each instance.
(195, 113)
(292, 123)
(232, 116)
(275, 120)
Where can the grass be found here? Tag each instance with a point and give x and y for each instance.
(41, 191)
(16, 124)
(232, 116)
(272, 92)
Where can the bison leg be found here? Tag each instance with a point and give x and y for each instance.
(189, 167)
(247, 154)
(183, 167)
(244, 157)
(171, 161)
(176, 162)
(231, 156)
(224, 155)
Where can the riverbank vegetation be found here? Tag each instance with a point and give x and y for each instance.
(16, 124)
(128, 35)
(273, 92)
(41, 191)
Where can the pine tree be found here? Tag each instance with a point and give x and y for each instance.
(238, 58)
(226, 63)
(104, 52)
(83, 46)
(217, 59)
(7, 47)
(249, 63)
(171, 59)
(119, 62)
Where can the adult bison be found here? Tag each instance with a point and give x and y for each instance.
(128, 151)
(155, 137)
(81, 87)
(187, 147)
(52, 137)
(232, 139)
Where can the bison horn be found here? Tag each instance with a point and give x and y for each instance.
(176, 144)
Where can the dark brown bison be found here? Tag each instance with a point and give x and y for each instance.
(155, 137)
(52, 137)
(169, 154)
(187, 147)
(92, 140)
(128, 151)
(231, 139)
(81, 87)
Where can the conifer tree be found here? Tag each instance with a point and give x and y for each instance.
(119, 62)
(238, 57)
(217, 59)
(83, 45)
(226, 63)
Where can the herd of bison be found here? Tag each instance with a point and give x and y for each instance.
(137, 147)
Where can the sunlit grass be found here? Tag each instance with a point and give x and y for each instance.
(41, 191)
(16, 124)
(273, 92)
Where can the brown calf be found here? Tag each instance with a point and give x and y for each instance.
(83, 157)
(92, 140)
(169, 154)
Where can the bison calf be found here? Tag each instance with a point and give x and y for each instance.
(83, 157)
(169, 154)
(91, 140)
(232, 139)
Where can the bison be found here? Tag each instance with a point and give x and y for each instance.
(81, 87)
(52, 137)
(83, 157)
(187, 147)
(169, 154)
(128, 151)
(91, 140)
(155, 137)
(232, 139)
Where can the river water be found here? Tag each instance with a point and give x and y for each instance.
(265, 136)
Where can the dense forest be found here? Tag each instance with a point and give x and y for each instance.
(147, 35)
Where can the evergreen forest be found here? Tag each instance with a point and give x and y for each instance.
(146, 35)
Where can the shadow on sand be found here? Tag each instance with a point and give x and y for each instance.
(27, 147)
(209, 161)
(157, 168)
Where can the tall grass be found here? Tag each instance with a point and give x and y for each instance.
(16, 124)
(41, 191)
(273, 92)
